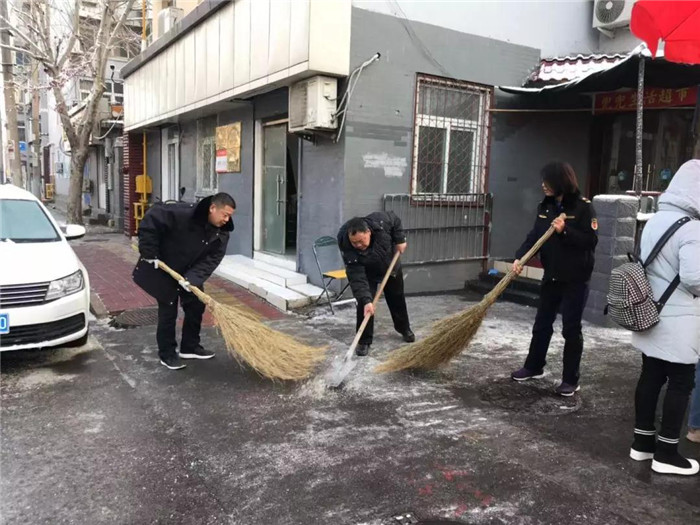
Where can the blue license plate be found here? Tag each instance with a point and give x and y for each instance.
(4, 323)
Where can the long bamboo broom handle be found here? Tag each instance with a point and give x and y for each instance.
(508, 278)
(205, 298)
(377, 295)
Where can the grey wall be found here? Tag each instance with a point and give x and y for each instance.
(271, 105)
(240, 185)
(622, 41)
(320, 205)
(556, 27)
(379, 134)
(188, 158)
(521, 144)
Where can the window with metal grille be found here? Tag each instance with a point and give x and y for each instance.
(450, 138)
(207, 180)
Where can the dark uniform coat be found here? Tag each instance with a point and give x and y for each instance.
(181, 236)
(372, 264)
(565, 257)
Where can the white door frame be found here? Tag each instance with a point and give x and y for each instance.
(101, 162)
(258, 187)
(169, 189)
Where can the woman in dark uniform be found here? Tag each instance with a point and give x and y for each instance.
(567, 258)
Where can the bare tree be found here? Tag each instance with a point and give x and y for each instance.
(13, 167)
(69, 48)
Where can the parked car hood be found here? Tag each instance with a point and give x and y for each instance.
(24, 263)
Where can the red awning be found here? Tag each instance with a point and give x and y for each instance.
(676, 22)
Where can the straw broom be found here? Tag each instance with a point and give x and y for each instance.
(272, 354)
(448, 337)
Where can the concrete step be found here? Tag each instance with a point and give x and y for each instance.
(278, 296)
(524, 297)
(276, 260)
(307, 289)
(279, 286)
(262, 270)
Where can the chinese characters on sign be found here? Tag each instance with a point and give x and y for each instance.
(617, 101)
(228, 148)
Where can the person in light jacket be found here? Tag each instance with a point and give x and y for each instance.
(671, 349)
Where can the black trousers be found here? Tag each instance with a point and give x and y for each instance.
(571, 299)
(655, 373)
(395, 299)
(167, 319)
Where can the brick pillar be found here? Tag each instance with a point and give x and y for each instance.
(617, 225)
(133, 166)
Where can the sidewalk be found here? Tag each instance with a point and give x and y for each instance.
(109, 260)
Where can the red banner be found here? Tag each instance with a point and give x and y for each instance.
(617, 101)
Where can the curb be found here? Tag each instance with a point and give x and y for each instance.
(97, 307)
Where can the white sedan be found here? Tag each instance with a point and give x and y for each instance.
(44, 288)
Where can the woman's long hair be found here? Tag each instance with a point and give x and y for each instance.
(560, 177)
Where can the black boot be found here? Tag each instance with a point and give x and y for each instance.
(644, 445)
(408, 336)
(362, 349)
(667, 460)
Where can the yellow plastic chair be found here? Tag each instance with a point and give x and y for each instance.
(326, 248)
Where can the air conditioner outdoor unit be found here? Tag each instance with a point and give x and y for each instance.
(167, 18)
(312, 104)
(610, 14)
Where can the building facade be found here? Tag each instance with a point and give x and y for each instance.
(416, 135)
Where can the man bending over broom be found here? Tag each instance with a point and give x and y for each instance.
(192, 240)
(368, 245)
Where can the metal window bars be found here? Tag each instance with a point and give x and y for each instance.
(443, 227)
(451, 134)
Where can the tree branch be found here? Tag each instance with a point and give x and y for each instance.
(16, 32)
(120, 23)
(22, 50)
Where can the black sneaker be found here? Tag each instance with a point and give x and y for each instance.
(362, 349)
(524, 374)
(408, 336)
(567, 390)
(197, 353)
(173, 362)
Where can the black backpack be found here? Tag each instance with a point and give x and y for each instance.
(630, 298)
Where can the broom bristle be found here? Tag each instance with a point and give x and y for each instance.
(447, 338)
(272, 354)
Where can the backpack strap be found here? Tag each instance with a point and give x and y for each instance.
(669, 291)
(657, 249)
(664, 239)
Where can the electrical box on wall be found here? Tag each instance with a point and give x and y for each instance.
(312, 105)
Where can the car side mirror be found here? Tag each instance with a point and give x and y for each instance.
(74, 231)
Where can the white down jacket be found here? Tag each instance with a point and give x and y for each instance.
(677, 336)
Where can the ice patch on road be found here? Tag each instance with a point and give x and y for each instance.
(93, 422)
(42, 377)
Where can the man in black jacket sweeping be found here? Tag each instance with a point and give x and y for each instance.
(192, 241)
(368, 245)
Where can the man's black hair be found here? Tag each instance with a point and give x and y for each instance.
(223, 199)
(357, 225)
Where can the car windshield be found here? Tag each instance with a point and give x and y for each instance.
(25, 221)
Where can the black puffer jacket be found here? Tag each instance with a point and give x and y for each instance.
(567, 256)
(181, 236)
(372, 264)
